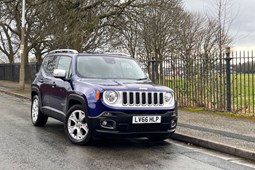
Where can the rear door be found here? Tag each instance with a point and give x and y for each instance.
(46, 79)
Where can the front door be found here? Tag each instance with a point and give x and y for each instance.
(61, 87)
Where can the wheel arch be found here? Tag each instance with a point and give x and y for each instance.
(74, 99)
(36, 91)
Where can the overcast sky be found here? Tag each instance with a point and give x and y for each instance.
(243, 14)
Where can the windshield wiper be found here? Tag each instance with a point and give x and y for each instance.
(145, 78)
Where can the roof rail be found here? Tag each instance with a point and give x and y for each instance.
(64, 51)
(121, 54)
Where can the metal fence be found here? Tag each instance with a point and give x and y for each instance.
(10, 72)
(225, 84)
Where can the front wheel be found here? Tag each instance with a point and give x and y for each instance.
(37, 117)
(76, 125)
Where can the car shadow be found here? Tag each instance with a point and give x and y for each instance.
(127, 142)
(56, 129)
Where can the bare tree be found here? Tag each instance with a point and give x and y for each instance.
(223, 39)
(159, 23)
(79, 25)
(206, 37)
(8, 43)
(82, 25)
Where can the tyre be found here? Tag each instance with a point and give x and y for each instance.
(37, 117)
(76, 125)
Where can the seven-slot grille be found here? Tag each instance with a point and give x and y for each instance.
(143, 98)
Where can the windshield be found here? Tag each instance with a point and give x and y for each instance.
(106, 67)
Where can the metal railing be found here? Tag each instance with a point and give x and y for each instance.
(217, 84)
(224, 83)
(10, 72)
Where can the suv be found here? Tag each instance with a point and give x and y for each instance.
(98, 95)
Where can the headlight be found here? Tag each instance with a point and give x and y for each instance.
(110, 96)
(169, 97)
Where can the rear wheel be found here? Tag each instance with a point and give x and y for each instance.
(37, 117)
(76, 125)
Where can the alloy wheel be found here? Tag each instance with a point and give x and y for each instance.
(35, 110)
(77, 125)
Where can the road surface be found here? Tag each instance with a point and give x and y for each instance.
(24, 146)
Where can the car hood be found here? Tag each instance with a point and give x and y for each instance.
(133, 85)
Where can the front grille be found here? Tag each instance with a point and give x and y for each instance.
(142, 98)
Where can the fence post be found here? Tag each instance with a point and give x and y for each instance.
(153, 61)
(228, 78)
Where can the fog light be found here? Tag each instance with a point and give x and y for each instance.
(173, 123)
(104, 123)
(108, 124)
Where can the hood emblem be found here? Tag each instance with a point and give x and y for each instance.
(143, 88)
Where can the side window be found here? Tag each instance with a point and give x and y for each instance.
(49, 65)
(64, 63)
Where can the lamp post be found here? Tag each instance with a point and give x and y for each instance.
(22, 52)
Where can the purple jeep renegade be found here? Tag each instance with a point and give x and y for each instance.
(101, 95)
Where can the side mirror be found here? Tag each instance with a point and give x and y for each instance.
(59, 73)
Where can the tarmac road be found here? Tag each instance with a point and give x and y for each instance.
(23, 146)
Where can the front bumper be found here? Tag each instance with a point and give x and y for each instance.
(120, 124)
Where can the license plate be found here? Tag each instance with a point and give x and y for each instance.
(146, 119)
